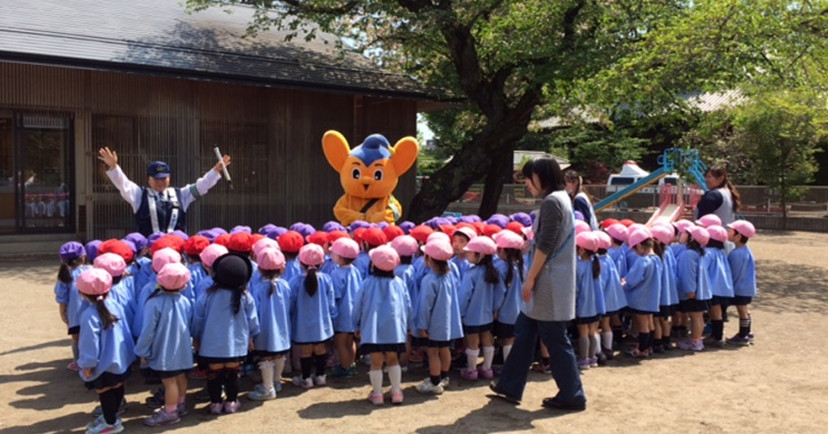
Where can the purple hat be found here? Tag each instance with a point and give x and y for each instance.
(522, 218)
(266, 228)
(304, 229)
(382, 225)
(154, 237)
(181, 234)
(499, 220)
(92, 249)
(218, 231)
(432, 223)
(467, 219)
(71, 250)
(207, 233)
(406, 226)
(276, 232)
(139, 240)
(295, 227)
(358, 224)
(239, 228)
(333, 226)
(452, 219)
(131, 245)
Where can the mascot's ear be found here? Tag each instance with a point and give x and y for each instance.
(336, 149)
(405, 154)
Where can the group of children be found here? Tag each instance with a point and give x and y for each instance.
(285, 296)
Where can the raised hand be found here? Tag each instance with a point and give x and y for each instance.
(218, 166)
(108, 157)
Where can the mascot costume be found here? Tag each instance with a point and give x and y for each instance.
(369, 175)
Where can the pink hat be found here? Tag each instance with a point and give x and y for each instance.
(346, 247)
(587, 241)
(604, 240)
(312, 255)
(638, 236)
(384, 257)
(438, 249)
(743, 228)
(405, 245)
(211, 253)
(529, 233)
(112, 263)
(482, 244)
(264, 243)
(699, 234)
(663, 233)
(618, 231)
(683, 225)
(173, 276)
(438, 236)
(271, 259)
(470, 233)
(94, 281)
(581, 227)
(509, 240)
(709, 220)
(717, 233)
(634, 227)
(163, 257)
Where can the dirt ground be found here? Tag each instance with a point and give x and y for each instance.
(780, 384)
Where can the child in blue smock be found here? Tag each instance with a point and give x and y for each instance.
(663, 236)
(105, 349)
(368, 239)
(165, 342)
(693, 286)
(346, 281)
(589, 299)
(72, 264)
(160, 258)
(619, 234)
(272, 296)
(438, 315)
(642, 287)
(208, 256)
(614, 299)
(313, 309)
(743, 270)
(680, 318)
(511, 268)
(121, 291)
(459, 239)
(721, 283)
(289, 243)
(193, 248)
(224, 324)
(481, 294)
(381, 316)
(407, 247)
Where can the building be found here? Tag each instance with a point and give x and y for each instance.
(155, 83)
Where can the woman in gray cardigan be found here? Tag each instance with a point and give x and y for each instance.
(548, 295)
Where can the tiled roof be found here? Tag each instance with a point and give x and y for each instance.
(159, 37)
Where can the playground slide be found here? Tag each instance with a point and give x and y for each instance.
(632, 188)
(667, 213)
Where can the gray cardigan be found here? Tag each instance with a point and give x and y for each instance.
(554, 295)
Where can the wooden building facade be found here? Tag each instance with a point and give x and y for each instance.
(55, 115)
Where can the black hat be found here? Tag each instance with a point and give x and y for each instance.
(232, 270)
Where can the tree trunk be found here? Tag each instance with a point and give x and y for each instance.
(493, 188)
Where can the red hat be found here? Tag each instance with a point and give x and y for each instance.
(608, 222)
(168, 241)
(392, 231)
(291, 242)
(255, 238)
(319, 238)
(448, 229)
(195, 245)
(358, 232)
(240, 242)
(374, 237)
(335, 235)
(117, 247)
(515, 227)
(421, 233)
(627, 222)
(479, 227)
(466, 225)
(222, 240)
(490, 230)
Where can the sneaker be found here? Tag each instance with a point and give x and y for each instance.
(161, 417)
(397, 397)
(751, 338)
(668, 346)
(583, 364)
(98, 420)
(485, 373)
(231, 406)
(635, 352)
(105, 428)
(710, 341)
(73, 366)
(738, 340)
(602, 358)
(262, 395)
(691, 345)
(338, 372)
(376, 398)
(320, 380)
(182, 409)
(121, 409)
(307, 383)
(469, 374)
(593, 362)
(444, 382)
(428, 388)
(215, 408)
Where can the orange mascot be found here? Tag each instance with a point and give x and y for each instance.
(369, 175)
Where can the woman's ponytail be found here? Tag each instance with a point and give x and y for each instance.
(596, 266)
(735, 196)
(107, 317)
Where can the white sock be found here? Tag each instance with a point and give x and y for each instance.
(506, 350)
(266, 368)
(488, 356)
(471, 358)
(606, 340)
(376, 380)
(279, 369)
(395, 375)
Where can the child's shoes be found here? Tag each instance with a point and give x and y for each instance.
(469, 374)
(161, 417)
(397, 397)
(376, 398)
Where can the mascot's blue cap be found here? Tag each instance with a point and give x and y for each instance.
(375, 147)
